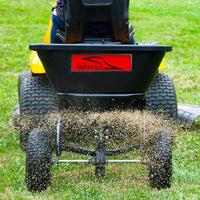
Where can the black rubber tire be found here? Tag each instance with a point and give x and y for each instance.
(38, 161)
(160, 161)
(161, 96)
(23, 135)
(21, 78)
(36, 98)
(23, 138)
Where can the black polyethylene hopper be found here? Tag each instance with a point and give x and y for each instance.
(100, 69)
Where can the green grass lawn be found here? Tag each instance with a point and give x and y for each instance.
(175, 23)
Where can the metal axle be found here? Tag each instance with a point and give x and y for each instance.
(56, 161)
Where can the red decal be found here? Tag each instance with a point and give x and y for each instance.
(98, 63)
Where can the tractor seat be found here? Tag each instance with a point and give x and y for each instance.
(96, 19)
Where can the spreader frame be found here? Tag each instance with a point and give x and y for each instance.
(100, 153)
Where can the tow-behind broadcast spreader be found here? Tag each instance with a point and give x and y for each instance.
(97, 73)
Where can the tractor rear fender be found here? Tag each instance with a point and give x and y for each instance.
(35, 63)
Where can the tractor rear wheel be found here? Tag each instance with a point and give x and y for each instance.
(161, 96)
(36, 98)
(21, 78)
